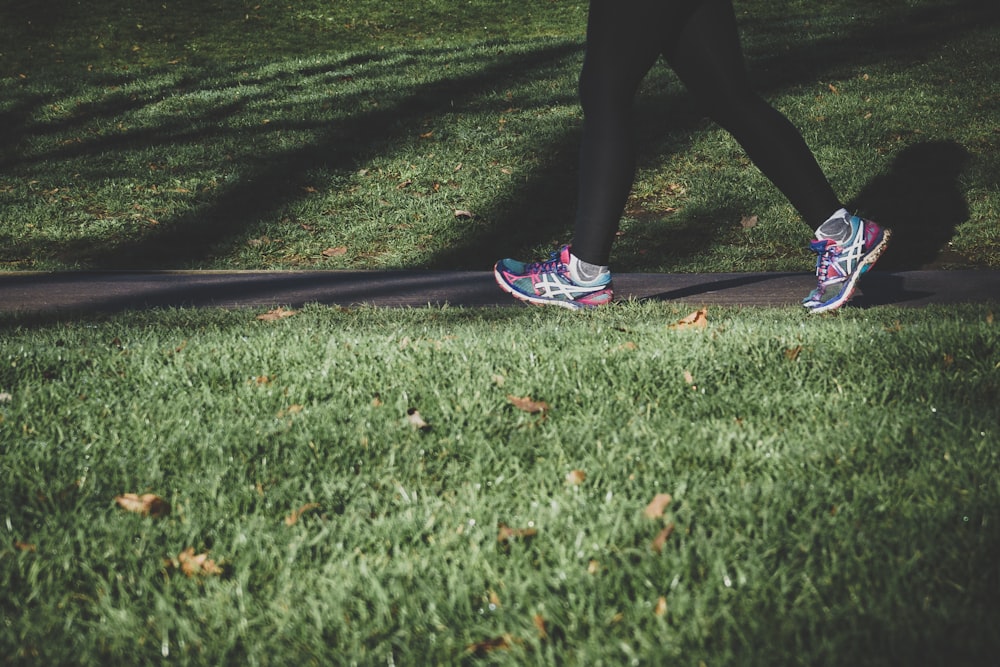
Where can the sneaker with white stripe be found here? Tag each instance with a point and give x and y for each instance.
(549, 282)
(840, 265)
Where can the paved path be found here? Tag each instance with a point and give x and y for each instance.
(47, 293)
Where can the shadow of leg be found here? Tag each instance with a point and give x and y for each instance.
(920, 200)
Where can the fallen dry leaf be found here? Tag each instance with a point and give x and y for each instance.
(696, 320)
(294, 517)
(462, 214)
(688, 378)
(277, 314)
(793, 353)
(656, 507)
(527, 404)
(748, 221)
(415, 420)
(489, 645)
(540, 626)
(194, 565)
(661, 606)
(575, 477)
(593, 567)
(335, 252)
(24, 546)
(506, 534)
(148, 504)
(661, 539)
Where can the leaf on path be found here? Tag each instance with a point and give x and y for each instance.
(294, 517)
(279, 313)
(148, 504)
(696, 320)
(661, 539)
(527, 404)
(416, 421)
(656, 507)
(575, 477)
(193, 565)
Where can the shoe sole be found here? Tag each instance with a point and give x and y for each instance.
(535, 301)
(867, 263)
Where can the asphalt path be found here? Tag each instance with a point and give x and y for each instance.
(104, 292)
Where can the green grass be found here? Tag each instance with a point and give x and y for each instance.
(188, 134)
(834, 482)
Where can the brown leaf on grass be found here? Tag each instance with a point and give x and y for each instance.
(506, 534)
(661, 606)
(656, 507)
(148, 504)
(279, 313)
(485, 647)
(575, 477)
(793, 353)
(25, 547)
(661, 539)
(696, 320)
(748, 221)
(462, 214)
(539, 621)
(193, 565)
(290, 410)
(339, 251)
(593, 567)
(527, 404)
(294, 517)
(416, 421)
(688, 378)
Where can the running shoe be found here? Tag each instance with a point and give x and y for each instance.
(549, 282)
(839, 266)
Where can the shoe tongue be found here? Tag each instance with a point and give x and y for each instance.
(820, 245)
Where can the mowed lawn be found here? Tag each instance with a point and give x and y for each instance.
(449, 486)
(487, 486)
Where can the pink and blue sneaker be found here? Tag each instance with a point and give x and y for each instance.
(839, 264)
(550, 283)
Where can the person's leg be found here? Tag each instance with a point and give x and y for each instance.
(624, 39)
(708, 59)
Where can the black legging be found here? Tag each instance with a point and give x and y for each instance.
(699, 40)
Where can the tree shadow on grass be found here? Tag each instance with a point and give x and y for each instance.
(538, 210)
(924, 220)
